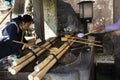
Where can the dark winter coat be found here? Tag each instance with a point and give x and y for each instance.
(10, 47)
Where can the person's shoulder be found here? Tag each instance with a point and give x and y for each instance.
(10, 26)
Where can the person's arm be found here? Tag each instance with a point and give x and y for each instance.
(108, 28)
(113, 27)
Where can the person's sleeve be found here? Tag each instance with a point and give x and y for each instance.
(113, 27)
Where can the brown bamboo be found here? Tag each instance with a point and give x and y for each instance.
(49, 58)
(66, 38)
(42, 73)
(69, 36)
(30, 53)
(20, 60)
(86, 39)
(89, 33)
(89, 43)
(53, 49)
(27, 45)
(19, 42)
(17, 68)
(6, 15)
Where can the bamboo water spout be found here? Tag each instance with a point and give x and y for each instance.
(87, 40)
(30, 53)
(81, 42)
(17, 68)
(50, 57)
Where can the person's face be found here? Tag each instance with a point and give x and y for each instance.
(26, 25)
(117, 33)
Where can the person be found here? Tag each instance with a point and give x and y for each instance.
(9, 47)
(114, 28)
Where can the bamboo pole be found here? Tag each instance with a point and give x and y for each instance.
(15, 63)
(6, 15)
(80, 39)
(86, 39)
(89, 33)
(17, 68)
(19, 42)
(69, 36)
(89, 43)
(42, 73)
(20, 60)
(32, 75)
(50, 58)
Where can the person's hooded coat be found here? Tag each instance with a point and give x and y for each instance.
(9, 47)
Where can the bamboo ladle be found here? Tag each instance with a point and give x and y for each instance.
(91, 44)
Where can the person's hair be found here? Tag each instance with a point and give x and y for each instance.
(25, 18)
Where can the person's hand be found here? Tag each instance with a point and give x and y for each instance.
(117, 32)
(100, 29)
